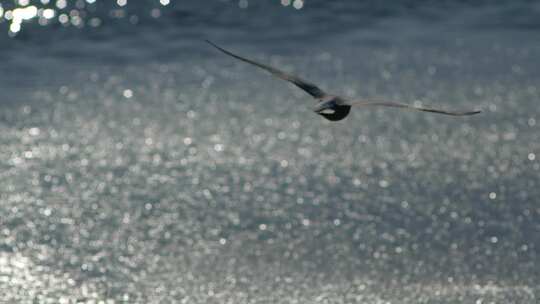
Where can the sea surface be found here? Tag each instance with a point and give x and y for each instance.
(140, 165)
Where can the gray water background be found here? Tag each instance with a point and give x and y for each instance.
(139, 165)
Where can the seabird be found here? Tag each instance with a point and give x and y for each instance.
(333, 107)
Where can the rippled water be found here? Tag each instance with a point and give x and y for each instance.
(139, 165)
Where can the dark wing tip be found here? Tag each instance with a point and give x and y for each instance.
(469, 113)
(210, 42)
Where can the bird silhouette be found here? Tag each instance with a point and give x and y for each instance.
(333, 107)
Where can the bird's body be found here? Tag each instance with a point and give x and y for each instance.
(333, 107)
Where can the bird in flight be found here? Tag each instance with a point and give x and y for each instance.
(333, 107)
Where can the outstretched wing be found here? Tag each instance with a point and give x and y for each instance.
(310, 88)
(406, 106)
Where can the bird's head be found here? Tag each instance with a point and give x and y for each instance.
(325, 107)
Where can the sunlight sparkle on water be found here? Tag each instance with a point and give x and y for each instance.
(81, 13)
(21, 14)
(139, 168)
(76, 13)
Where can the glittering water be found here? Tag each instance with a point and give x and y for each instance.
(139, 165)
